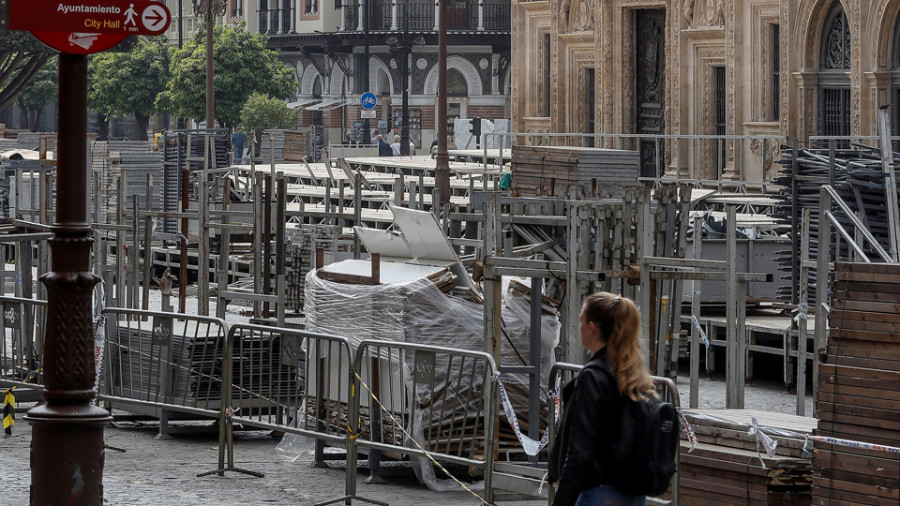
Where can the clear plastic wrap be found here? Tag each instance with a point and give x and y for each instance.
(419, 312)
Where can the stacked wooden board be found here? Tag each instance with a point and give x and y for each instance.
(725, 468)
(294, 145)
(859, 389)
(537, 170)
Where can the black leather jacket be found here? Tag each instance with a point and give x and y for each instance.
(581, 456)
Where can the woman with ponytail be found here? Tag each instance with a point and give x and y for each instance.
(582, 465)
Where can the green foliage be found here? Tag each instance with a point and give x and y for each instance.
(122, 83)
(241, 65)
(128, 82)
(21, 58)
(262, 112)
(43, 88)
(40, 93)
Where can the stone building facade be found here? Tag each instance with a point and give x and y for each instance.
(324, 43)
(782, 69)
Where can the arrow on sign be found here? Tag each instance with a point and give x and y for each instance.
(154, 18)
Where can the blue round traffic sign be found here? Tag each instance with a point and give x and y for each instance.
(368, 100)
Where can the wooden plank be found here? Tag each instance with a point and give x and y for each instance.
(872, 316)
(823, 495)
(870, 326)
(862, 335)
(856, 305)
(869, 277)
(871, 399)
(834, 459)
(870, 485)
(831, 413)
(864, 286)
(857, 372)
(864, 349)
(869, 363)
(856, 487)
(857, 433)
(866, 295)
(849, 268)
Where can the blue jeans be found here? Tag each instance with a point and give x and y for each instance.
(608, 495)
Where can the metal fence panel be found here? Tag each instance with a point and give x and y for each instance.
(22, 329)
(162, 360)
(442, 398)
(290, 380)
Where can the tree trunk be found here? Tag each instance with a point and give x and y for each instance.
(142, 122)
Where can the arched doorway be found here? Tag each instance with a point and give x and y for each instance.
(834, 79)
(457, 93)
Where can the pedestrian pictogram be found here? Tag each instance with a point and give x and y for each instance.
(129, 16)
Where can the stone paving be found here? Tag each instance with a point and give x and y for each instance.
(163, 472)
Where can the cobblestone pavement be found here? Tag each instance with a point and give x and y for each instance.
(163, 472)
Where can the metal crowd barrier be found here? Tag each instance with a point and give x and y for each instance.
(22, 326)
(561, 373)
(157, 362)
(290, 381)
(422, 401)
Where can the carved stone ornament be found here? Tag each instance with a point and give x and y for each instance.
(577, 18)
(700, 13)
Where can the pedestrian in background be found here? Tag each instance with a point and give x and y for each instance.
(237, 143)
(581, 461)
(395, 147)
(375, 137)
(384, 149)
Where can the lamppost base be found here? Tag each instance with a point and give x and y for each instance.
(67, 454)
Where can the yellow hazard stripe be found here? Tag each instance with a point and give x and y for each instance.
(9, 399)
(8, 421)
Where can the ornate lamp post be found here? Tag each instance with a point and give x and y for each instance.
(209, 9)
(67, 435)
(442, 160)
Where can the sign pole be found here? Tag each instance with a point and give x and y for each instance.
(67, 436)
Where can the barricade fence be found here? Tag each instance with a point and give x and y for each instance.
(289, 381)
(22, 327)
(423, 401)
(155, 362)
(432, 403)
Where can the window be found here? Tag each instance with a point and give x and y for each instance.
(721, 127)
(834, 81)
(237, 9)
(456, 84)
(775, 82)
(545, 102)
(310, 6)
(590, 103)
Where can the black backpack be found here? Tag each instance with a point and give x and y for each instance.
(646, 449)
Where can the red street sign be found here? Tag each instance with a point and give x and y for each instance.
(87, 26)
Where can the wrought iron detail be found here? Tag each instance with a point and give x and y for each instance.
(836, 39)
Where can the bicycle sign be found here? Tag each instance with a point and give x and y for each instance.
(368, 100)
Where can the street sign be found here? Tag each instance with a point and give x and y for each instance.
(88, 27)
(370, 113)
(368, 101)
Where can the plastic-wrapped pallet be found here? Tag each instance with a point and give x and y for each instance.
(419, 312)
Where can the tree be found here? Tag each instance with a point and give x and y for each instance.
(21, 57)
(123, 83)
(262, 112)
(40, 93)
(242, 66)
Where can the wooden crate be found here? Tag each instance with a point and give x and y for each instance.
(859, 389)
